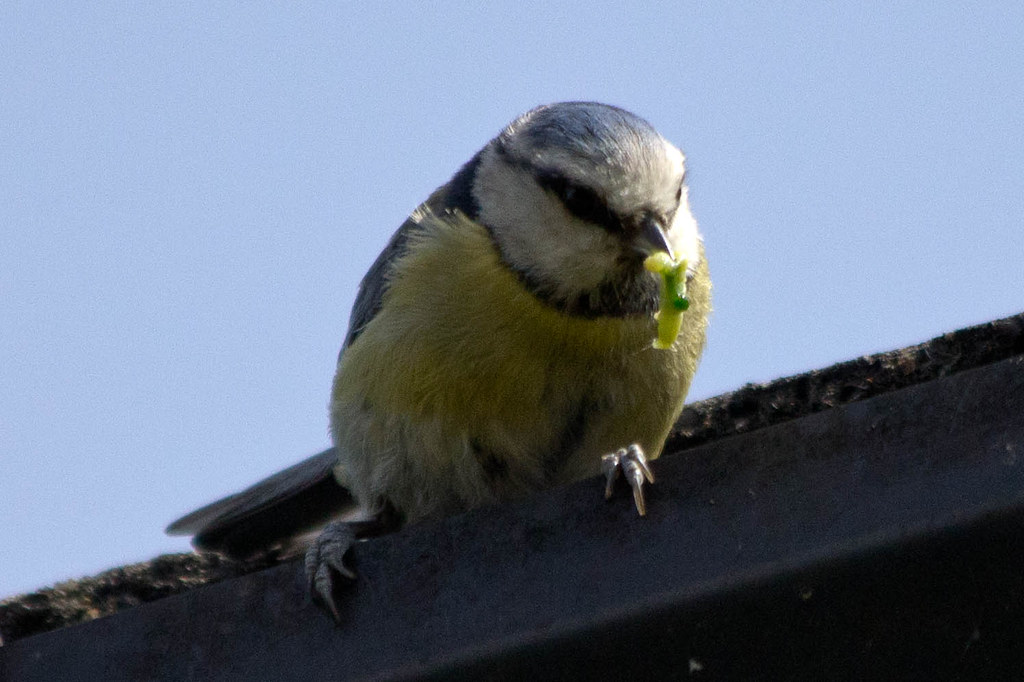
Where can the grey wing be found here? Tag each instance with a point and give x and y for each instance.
(456, 195)
(374, 284)
(271, 514)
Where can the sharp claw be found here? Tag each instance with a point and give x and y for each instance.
(635, 476)
(637, 455)
(638, 499)
(325, 560)
(323, 586)
(611, 469)
(631, 463)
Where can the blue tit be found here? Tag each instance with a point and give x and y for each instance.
(500, 344)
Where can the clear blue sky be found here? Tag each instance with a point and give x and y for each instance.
(190, 194)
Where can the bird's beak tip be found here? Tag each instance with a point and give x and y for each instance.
(652, 238)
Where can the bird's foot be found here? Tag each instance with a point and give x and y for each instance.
(325, 563)
(325, 558)
(631, 463)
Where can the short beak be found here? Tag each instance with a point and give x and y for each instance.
(652, 238)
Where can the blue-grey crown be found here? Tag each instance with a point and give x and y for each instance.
(589, 129)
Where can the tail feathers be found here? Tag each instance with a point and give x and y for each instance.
(272, 515)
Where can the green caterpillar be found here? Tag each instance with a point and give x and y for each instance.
(673, 296)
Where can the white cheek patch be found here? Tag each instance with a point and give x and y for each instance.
(577, 261)
(537, 234)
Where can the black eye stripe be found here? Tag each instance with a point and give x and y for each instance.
(581, 201)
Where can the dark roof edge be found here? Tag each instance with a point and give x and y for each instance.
(750, 408)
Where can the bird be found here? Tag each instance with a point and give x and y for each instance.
(500, 344)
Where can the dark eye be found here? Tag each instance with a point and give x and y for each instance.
(679, 193)
(584, 203)
(581, 201)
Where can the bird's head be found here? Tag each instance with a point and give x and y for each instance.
(575, 195)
